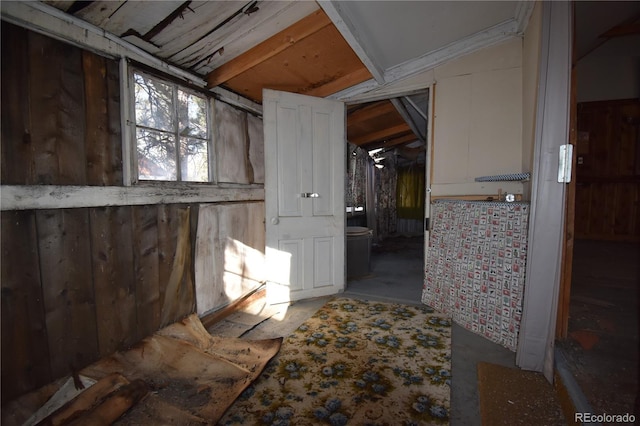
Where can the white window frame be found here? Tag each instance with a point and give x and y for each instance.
(129, 126)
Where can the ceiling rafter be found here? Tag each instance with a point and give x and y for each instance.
(269, 48)
(630, 26)
(402, 110)
(337, 84)
(332, 9)
(386, 133)
(370, 111)
(401, 139)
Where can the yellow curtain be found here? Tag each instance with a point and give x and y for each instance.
(410, 192)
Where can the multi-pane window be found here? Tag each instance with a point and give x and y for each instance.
(172, 131)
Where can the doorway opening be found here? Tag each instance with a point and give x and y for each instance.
(386, 196)
(601, 344)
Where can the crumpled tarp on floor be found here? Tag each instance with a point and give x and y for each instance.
(179, 375)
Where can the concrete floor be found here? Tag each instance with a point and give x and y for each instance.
(396, 276)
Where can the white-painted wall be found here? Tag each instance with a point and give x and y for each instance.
(478, 121)
(530, 68)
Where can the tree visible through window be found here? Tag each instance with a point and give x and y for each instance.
(172, 135)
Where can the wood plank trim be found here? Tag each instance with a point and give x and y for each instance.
(269, 48)
(35, 197)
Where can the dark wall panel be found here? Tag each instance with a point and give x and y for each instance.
(146, 269)
(17, 155)
(113, 278)
(69, 301)
(66, 130)
(608, 170)
(25, 351)
(78, 283)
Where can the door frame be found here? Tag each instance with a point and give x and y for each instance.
(536, 341)
(562, 321)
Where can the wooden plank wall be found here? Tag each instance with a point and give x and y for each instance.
(78, 283)
(66, 130)
(608, 180)
(229, 253)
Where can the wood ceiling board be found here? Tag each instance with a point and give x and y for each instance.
(273, 17)
(384, 133)
(183, 37)
(404, 138)
(96, 13)
(316, 61)
(372, 119)
(135, 15)
(331, 87)
(361, 113)
(269, 48)
(63, 5)
(201, 52)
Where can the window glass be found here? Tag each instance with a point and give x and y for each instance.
(172, 134)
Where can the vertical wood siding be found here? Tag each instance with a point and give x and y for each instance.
(25, 350)
(17, 156)
(68, 296)
(113, 278)
(81, 283)
(60, 113)
(608, 180)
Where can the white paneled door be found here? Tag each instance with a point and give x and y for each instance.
(305, 163)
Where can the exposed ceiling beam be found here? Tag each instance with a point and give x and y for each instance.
(402, 110)
(406, 137)
(415, 107)
(269, 48)
(369, 111)
(344, 26)
(381, 134)
(336, 85)
(629, 27)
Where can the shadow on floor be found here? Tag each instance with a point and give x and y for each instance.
(602, 347)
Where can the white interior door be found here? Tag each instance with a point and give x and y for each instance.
(304, 195)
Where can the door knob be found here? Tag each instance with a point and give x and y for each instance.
(275, 221)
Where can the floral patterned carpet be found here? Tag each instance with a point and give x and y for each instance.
(355, 362)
